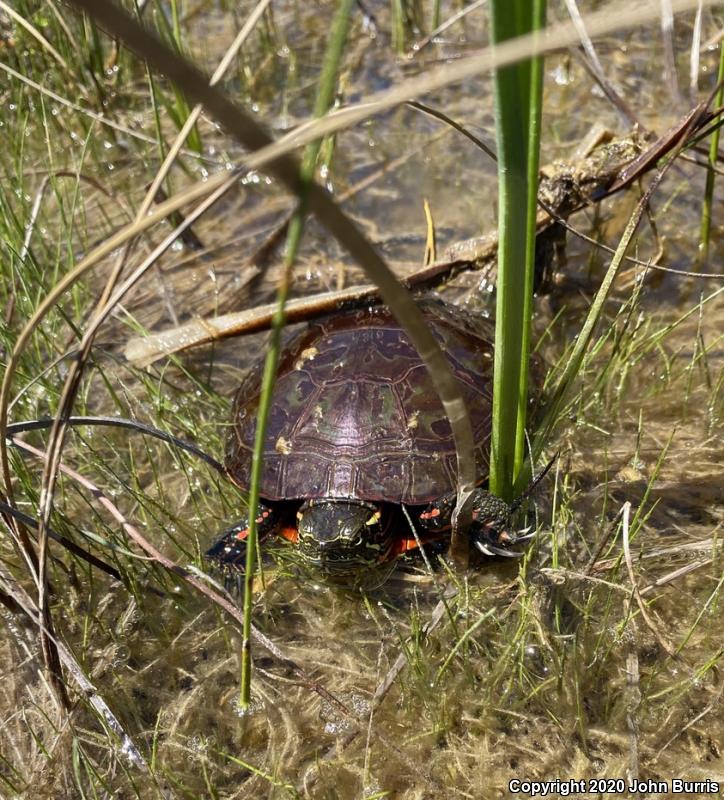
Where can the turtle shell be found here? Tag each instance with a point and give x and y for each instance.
(355, 414)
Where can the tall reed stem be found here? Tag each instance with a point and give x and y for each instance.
(518, 90)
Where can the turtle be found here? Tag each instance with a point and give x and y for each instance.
(357, 440)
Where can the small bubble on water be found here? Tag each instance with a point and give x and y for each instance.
(255, 706)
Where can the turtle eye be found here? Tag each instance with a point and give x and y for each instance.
(374, 519)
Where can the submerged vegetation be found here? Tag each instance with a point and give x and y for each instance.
(596, 655)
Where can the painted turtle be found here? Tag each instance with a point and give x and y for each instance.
(356, 432)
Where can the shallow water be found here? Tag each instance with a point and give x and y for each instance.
(539, 669)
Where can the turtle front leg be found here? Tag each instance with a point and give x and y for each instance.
(489, 531)
(229, 549)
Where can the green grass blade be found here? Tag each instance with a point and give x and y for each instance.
(325, 97)
(705, 230)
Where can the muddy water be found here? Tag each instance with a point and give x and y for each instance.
(541, 669)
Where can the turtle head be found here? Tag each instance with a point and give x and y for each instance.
(343, 536)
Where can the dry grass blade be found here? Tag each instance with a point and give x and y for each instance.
(675, 575)
(593, 65)
(660, 638)
(418, 46)
(633, 701)
(610, 530)
(667, 32)
(695, 53)
(433, 112)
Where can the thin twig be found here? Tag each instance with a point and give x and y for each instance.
(610, 530)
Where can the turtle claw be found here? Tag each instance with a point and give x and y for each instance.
(488, 549)
(484, 549)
